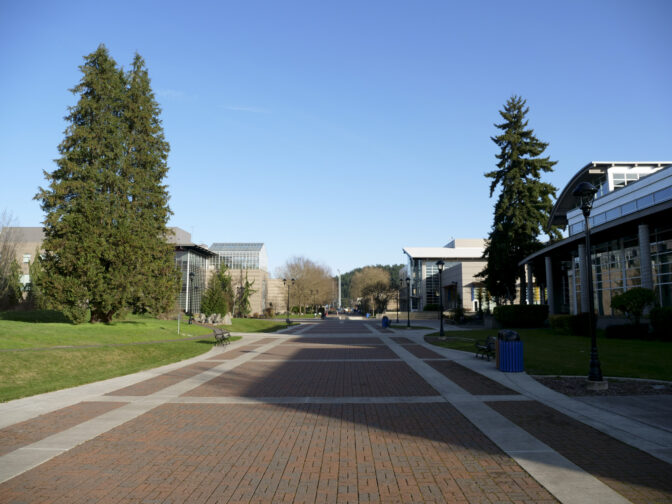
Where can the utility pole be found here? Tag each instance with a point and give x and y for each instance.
(339, 290)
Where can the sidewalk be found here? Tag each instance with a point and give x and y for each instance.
(329, 411)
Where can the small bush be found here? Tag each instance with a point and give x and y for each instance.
(521, 315)
(627, 331)
(561, 323)
(431, 307)
(661, 321)
(633, 302)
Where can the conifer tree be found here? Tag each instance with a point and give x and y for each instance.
(145, 168)
(524, 203)
(106, 210)
(218, 297)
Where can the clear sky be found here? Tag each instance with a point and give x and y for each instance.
(343, 131)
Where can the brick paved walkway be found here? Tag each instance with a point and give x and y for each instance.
(344, 414)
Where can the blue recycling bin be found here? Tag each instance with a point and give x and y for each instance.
(386, 322)
(509, 352)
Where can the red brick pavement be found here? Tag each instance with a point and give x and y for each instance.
(337, 327)
(191, 453)
(405, 452)
(636, 475)
(338, 340)
(160, 382)
(317, 379)
(234, 353)
(33, 430)
(469, 380)
(329, 351)
(423, 352)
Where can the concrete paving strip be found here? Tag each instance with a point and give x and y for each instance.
(640, 434)
(565, 480)
(25, 458)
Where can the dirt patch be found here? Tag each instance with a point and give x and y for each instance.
(576, 386)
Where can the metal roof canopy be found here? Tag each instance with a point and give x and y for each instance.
(592, 172)
(237, 247)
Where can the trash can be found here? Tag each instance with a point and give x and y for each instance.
(386, 322)
(509, 351)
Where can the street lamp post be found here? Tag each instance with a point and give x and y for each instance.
(440, 264)
(285, 282)
(398, 298)
(585, 191)
(408, 302)
(191, 296)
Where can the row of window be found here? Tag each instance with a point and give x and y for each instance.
(624, 209)
(616, 267)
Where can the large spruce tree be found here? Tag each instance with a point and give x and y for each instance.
(145, 168)
(524, 203)
(106, 210)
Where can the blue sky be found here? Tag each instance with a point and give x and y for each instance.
(343, 131)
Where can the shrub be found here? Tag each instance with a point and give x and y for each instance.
(431, 307)
(458, 311)
(579, 324)
(561, 323)
(661, 321)
(633, 302)
(627, 331)
(521, 315)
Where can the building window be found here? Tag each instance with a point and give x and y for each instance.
(431, 284)
(623, 179)
(661, 258)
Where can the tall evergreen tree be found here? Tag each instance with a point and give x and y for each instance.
(218, 297)
(145, 167)
(524, 203)
(106, 210)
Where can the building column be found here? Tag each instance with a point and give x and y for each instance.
(645, 256)
(583, 275)
(549, 285)
(530, 283)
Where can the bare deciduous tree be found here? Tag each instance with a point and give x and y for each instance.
(313, 281)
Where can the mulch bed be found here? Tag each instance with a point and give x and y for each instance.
(576, 386)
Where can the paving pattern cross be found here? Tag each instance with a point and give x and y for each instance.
(330, 411)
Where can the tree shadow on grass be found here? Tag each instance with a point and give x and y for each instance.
(35, 316)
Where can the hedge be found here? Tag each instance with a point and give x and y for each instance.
(661, 322)
(521, 315)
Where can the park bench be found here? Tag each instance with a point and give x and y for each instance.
(222, 336)
(486, 348)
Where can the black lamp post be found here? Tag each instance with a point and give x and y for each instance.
(408, 302)
(285, 282)
(585, 191)
(440, 264)
(398, 298)
(190, 308)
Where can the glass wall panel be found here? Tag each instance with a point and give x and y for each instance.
(661, 258)
(431, 283)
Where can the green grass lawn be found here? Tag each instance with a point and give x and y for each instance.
(28, 373)
(41, 366)
(549, 353)
(19, 331)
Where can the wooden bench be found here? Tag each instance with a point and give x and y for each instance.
(222, 336)
(486, 348)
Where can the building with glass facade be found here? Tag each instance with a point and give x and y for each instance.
(241, 256)
(463, 260)
(631, 239)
